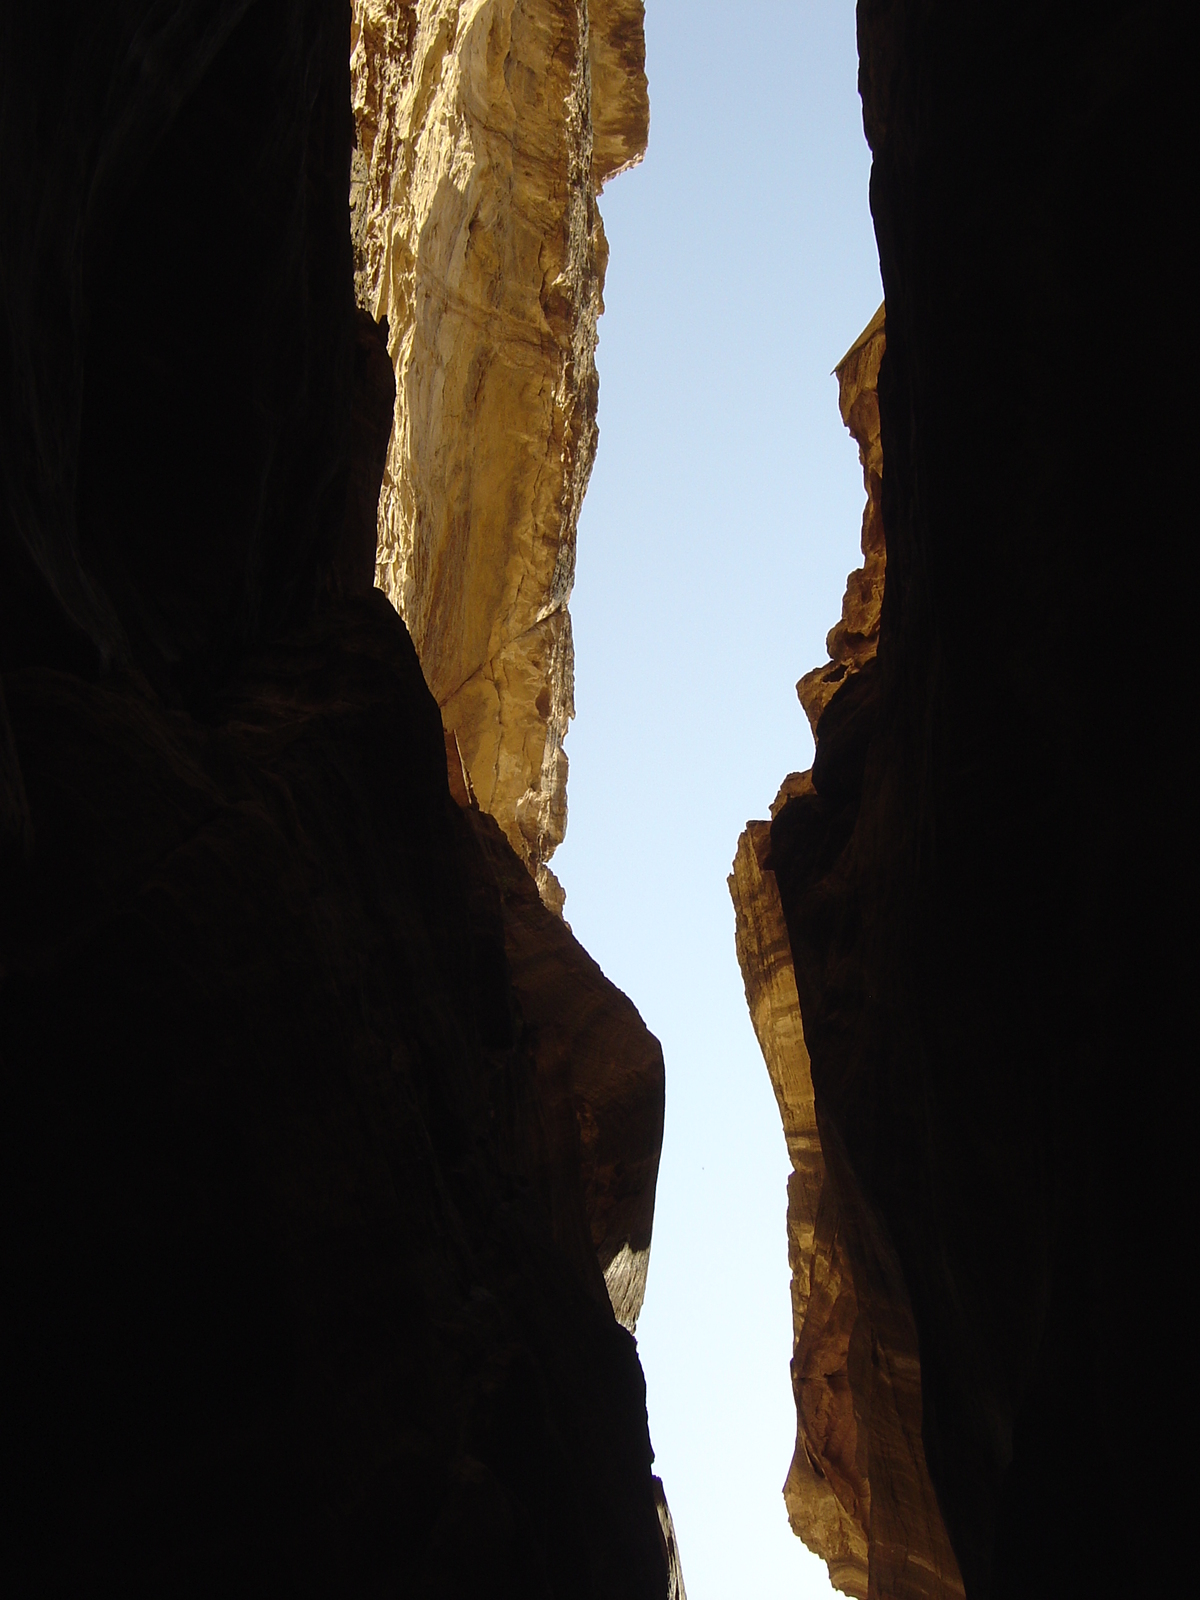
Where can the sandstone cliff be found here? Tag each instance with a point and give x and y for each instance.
(484, 133)
(985, 876)
(320, 1132)
(486, 129)
(858, 1491)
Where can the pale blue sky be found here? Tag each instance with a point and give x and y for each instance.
(722, 519)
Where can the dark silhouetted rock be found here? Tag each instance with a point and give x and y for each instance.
(990, 888)
(290, 1304)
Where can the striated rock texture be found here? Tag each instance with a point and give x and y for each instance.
(858, 1491)
(989, 881)
(486, 129)
(303, 1245)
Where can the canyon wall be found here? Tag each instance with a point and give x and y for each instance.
(484, 133)
(486, 129)
(327, 1152)
(986, 877)
(858, 1491)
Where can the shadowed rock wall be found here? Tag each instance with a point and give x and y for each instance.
(988, 878)
(486, 130)
(304, 1253)
(858, 1491)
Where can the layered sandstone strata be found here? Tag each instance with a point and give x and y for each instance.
(486, 130)
(858, 1490)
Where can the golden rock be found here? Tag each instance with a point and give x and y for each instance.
(486, 131)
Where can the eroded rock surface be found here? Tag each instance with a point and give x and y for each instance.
(486, 129)
(826, 1492)
(304, 1286)
(858, 1491)
(855, 638)
(984, 880)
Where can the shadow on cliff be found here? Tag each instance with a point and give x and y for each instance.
(302, 1280)
(988, 881)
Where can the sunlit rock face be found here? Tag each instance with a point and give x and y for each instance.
(484, 134)
(305, 1239)
(486, 129)
(852, 643)
(858, 1491)
(985, 876)
(827, 1493)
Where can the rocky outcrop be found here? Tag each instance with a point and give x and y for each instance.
(486, 129)
(827, 1492)
(304, 1247)
(853, 641)
(984, 879)
(485, 132)
(858, 1491)
(675, 1585)
(600, 1083)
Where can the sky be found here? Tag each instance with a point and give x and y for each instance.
(722, 519)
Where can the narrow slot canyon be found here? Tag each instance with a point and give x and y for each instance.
(419, 415)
